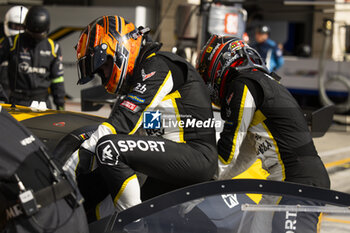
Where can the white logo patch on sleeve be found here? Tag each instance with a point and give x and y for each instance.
(107, 153)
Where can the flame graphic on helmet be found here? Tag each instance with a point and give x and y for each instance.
(108, 36)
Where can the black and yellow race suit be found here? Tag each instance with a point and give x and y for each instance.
(4, 80)
(260, 112)
(181, 152)
(33, 67)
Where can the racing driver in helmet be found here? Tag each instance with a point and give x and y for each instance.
(259, 112)
(162, 96)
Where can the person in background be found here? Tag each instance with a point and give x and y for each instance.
(13, 24)
(262, 120)
(34, 62)
(267, 48)
(245, 37)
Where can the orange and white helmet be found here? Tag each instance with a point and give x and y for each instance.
(112, 42)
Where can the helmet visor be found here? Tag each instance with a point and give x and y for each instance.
(85, 69)
(88, 65)
(37, 35)
(16, 26)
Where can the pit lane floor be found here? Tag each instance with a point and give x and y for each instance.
(334, 150)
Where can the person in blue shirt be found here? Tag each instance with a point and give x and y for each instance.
(267, 48)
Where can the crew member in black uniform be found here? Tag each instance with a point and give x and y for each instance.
(35, 195)
(13, 24)
(258, 110)
(34, 62)
(162, 95)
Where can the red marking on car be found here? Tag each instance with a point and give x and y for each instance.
(60, 124)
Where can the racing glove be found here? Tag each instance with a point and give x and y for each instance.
(81, 162)
(83, 159)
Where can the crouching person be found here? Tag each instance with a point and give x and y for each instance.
(257, 109)
(35, 196)
(163, 96)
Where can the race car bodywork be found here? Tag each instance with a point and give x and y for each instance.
(218, 206)
(60, 131)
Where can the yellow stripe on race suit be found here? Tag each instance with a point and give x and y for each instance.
(123, 188)
(14, 43)
(214, 106)
(2, 39)
(155, 97)
(277, 151)
(104, 208)
(320, 217)
(52, 47)
(234, 141)
(97, 211)
(151, 55)
(255, 171)
(279, 200)
(58, 80)
(93, 164)
(258, 118)
(173, 96)
(110, 127)
(76, 166)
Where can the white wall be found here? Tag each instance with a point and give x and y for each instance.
(341, 17)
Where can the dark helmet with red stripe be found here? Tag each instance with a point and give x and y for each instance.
(219, 55)
(109, 47)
